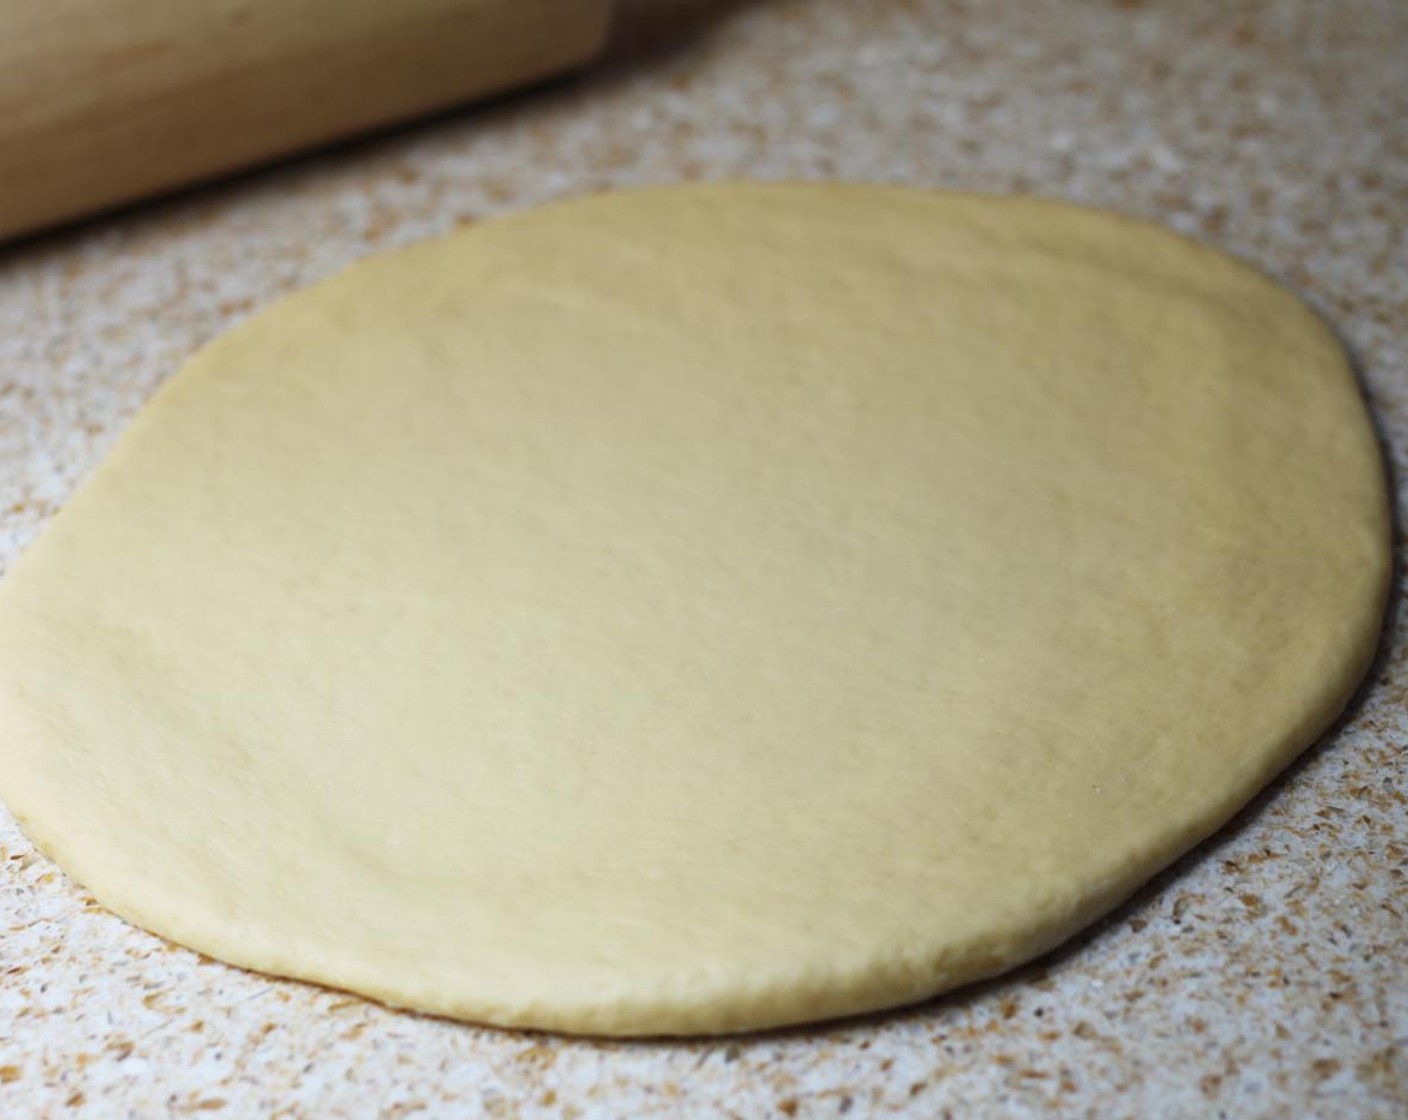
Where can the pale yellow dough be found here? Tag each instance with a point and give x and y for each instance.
(698, 609)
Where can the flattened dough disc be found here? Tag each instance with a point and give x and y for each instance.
(698, 609)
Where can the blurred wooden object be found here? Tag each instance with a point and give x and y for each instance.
(106, 101)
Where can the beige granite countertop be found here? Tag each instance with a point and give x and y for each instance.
(1265, 975)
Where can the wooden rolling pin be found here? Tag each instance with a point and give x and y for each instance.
(106, 101)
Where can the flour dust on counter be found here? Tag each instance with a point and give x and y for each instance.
(698, 609)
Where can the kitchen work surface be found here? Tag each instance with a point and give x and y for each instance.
(1264, 975)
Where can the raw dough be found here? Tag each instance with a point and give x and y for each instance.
(698, 609)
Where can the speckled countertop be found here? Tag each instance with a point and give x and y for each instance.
(1265, 975)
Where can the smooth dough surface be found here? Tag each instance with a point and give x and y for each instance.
(698, 609)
